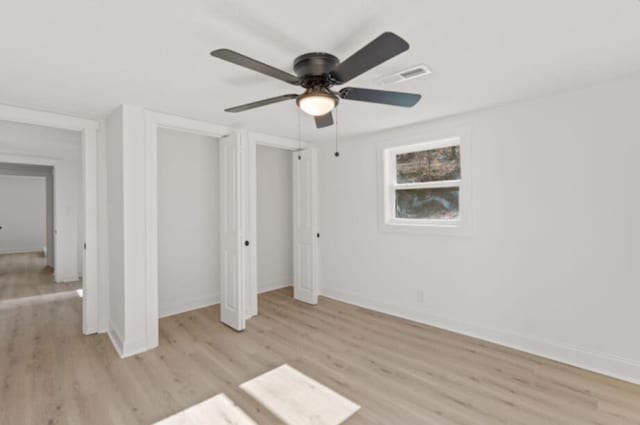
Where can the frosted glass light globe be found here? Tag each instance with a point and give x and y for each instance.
(316, 103)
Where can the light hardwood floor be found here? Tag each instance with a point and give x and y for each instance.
(27, 275)
(400, 372)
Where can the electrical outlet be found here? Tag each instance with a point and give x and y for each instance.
(419, 295)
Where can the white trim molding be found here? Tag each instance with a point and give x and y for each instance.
(46, 119)
(28, 159)
(188, 125)
(278, 142)
(21, 251)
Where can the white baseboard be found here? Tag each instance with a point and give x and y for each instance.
(272, 286)
(188, 305)
(20, 251)
(67, 279)
(123, 347)
(131, 348)
(604, 363)
(115, 335)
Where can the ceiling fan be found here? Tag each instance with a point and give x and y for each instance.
(317, 73)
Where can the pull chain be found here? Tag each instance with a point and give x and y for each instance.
(337, 154)
(299, 142)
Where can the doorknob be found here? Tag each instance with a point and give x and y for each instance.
(246, 243)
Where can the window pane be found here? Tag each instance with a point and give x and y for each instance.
(436, 204)
(428, 166)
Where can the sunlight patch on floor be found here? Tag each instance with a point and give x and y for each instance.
(289, 394)
(218, 410)
(39, 299)
(299, 400)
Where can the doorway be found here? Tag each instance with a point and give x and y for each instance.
(26, 233)
(274, 212)
(266, 197)
(84, 230)
(41, 215)
(188, 222)
(155, 125)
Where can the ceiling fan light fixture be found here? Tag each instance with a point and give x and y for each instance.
(317, 102)
(318, 72)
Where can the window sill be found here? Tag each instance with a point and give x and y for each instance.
(453, 228)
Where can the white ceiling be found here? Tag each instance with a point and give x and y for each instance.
(85, 57)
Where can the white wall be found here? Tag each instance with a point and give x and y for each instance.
(127, 231)
(68, 210)
(103, 229)
(115, 219)
(274, 216)
(46, 172)
(188, 224)
(64, 147)
(552, 264)
(23, 214)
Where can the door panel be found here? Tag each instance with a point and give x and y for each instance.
(305, 261)
(231, 284)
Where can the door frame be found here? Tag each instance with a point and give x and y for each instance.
(153, 122)
(251, 212)
(88, 129)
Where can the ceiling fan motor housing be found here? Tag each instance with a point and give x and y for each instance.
(314, 68)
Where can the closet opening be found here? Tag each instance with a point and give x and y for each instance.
(188, 221)
(274, 218)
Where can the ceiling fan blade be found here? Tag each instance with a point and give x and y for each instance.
(380, 96)
(325, 120)
(263, 102)
(373, 54)
(254, 65)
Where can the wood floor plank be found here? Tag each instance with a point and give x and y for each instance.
(398, 371)
(514, 396)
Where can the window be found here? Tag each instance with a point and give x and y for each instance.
(423, 184)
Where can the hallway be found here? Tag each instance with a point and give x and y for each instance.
(27, 275)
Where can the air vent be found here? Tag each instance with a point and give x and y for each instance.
(405, 75)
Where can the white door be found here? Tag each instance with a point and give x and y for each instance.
(305, 226)
(231, 195)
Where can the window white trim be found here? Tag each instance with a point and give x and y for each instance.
(388, 186)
